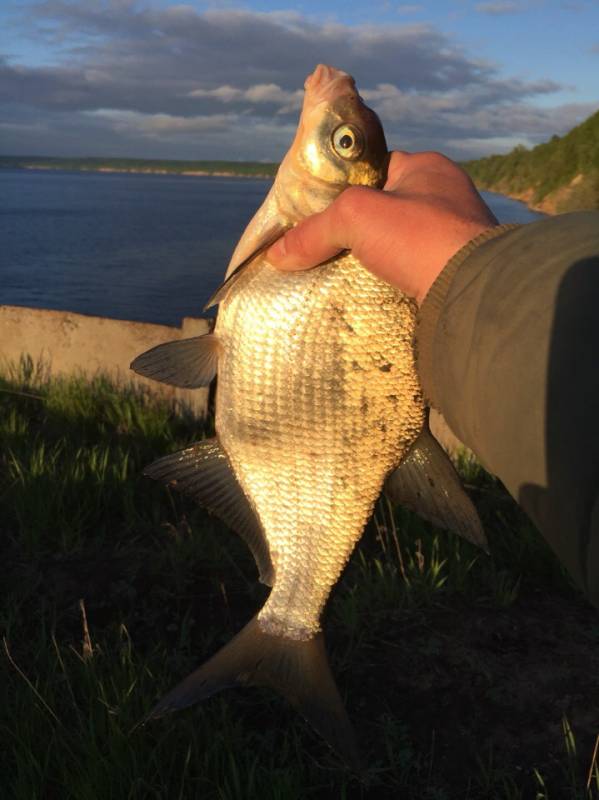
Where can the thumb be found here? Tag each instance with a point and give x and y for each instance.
(313, 240)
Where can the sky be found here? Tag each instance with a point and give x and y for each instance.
(206, 80)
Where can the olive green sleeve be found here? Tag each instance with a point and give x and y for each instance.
(508, 352)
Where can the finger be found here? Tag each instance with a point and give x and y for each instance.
(399, 162)
(414, 171)
(311, 242)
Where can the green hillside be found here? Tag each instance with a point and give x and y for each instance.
(559, 175)
(250, 169)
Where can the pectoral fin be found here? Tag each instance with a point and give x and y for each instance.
(203, 472)
(269, 236)
(297, 669)
(427, 483)
(186, 363)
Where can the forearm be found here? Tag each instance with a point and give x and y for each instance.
(508, 349)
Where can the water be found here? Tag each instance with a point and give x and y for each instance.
(141, 247)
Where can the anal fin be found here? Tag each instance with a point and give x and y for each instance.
(203, 472)
(427, 483)
(298, 669)
(186, 363)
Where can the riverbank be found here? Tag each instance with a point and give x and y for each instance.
(548, 205)
(222, 169)
(571, 197)
(555, 177)
(526, 197)
(196, 173)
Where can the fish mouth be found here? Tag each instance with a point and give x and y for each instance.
(327, 84)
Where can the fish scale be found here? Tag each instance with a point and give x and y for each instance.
(330, 423)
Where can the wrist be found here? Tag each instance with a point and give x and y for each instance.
(474, 235)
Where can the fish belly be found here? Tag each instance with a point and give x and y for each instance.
(318, 399)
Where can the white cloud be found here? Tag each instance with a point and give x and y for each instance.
(161, 125)
(226, 94)
(261, 93)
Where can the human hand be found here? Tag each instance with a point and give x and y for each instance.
(429, 209)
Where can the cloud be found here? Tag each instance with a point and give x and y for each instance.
(162, 125)
(127, 78)
(261, 93)
(226, 94)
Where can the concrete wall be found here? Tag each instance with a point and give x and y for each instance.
(69, 343)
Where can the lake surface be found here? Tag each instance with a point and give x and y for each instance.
(141, 247)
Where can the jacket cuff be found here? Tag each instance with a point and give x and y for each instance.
(430, 310)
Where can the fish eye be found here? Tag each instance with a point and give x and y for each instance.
(348, 142)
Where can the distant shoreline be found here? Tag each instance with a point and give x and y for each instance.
(192, 173)
(189, 169)
(525, 199)
(217, 169)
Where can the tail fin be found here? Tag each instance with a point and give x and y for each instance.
(297, 669)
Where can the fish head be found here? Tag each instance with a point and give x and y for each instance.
(339, 143)
(339, 140)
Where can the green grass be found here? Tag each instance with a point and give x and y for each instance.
(466, 676)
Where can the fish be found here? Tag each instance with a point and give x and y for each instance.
(318, 410)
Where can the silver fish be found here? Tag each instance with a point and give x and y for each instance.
(318, 405)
